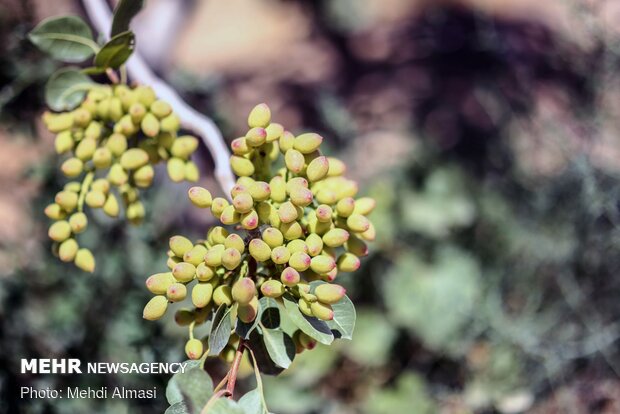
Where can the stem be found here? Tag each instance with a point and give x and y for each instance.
(112, 76)
(234, 369)
(213, 399)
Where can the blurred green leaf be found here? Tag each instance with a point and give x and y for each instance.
(226, 406)
(434, 299)
(116, 52)
(66, 89)
(374, 335)
(252, 402)
(124, 12)
(280, 347)
(177, 408)
(408, 396)
(312, 327)
(220, 330)
(67, 38)
(193, 387)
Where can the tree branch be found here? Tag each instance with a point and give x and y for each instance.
(232, 374)
(101, 17)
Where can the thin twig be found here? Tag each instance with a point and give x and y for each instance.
(234, 369)
(112, 76)
(101, 17)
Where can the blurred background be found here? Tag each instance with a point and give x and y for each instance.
(487, 129)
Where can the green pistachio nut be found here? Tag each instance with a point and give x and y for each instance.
(356, 246)
(136, 212)
(274, 132)
(326, 196)
(72, 167)
(287, 212)
(63, 142)
(55, 212)
(280, 255)
(68, 200)
(222, 295)
(59, 231)
(259, 250)
(193, 348)
(137, 111)
(260, 116)
(117, 175)
(102, 157)
(176, 292)
(297, 246)
(272, 288)
(217, 234)
(160, 109)
(301, 196)
(273, 237)
(202, 294)
(134, 158)
(335, 237)
(176, 169)
(348, 262)
(336, 167)
(259, 190)
(95, 199)
(58, 122)
(294, 161)
(184, 146)
(364, 205)
(249, 220)
(307, 143)
(81, 117)
(184, 272)
(290, 277)
(150, 125)
(243, 290)
(239, 146)
(291, 231)
(68, 250)
(317, 169)
(143, 177)
(78, 222)
(218, 205)
(84, 260)
(241, 166)
(159, 283)
(278, 189)
(345, 207)
(286, 141)
(101, 184)
(234, 241)
(74, 186)
(117, 144)
(256, 137)
(247, 313)
(213, 257)
(305, 307)
(204, 273)
(300, 261)
(195, 255)
(322, 264)
(329, 293)
(171, 123)
(200, 197)
(243, 202)
(231, 258)
(370, 234)
(322, 311)
(358, 223)
(314, 243)
(111, 207)
(155, 308)
(230, 216)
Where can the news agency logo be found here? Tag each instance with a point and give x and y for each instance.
(74, 366)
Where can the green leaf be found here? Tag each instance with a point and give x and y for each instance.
(252, 402)
(263, 359)
(193, 387)
(66, 89)
(312, 327)
(124, 12)
(220, 330)
(270, 314)
(280, 347)
(66, 38)
(177, 408)
(343, 324)
(116, 52)
(226, 406)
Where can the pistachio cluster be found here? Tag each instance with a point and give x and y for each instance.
(287, 229)
(112, 140)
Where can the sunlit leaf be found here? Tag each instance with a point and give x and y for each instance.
(66, 38)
